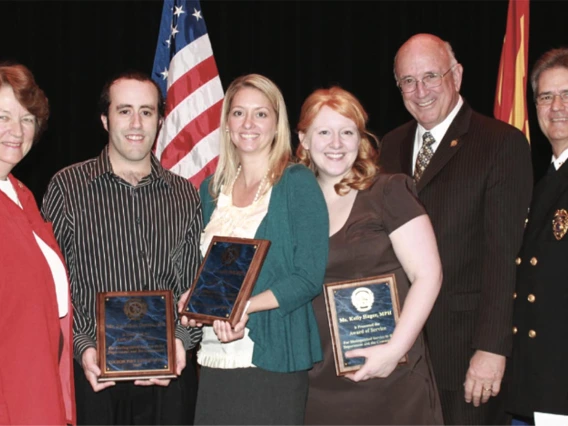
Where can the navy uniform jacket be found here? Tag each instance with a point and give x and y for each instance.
(538, 369)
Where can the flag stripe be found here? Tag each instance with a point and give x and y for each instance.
(189, 57)
(185, 69)
(199, 128)
(190, 81)
(201, 155)
(204, 172)
(192, 106)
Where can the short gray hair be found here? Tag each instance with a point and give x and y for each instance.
(555, 58)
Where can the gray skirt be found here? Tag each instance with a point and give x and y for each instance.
(250, 396)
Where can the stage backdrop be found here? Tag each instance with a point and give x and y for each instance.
(72, 47)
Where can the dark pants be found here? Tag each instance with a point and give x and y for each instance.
(251, 396)
(457, 412)
(126, 403)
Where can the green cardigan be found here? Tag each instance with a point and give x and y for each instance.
(286, 339)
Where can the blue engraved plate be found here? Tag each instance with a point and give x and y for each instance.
(365, 317)
(221, 278)
(136, 333)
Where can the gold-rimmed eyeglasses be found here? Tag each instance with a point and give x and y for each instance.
(430, 80)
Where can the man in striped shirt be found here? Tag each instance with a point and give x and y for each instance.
(124, 223)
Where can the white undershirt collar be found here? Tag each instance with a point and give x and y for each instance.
(561, 159)
(438, 132)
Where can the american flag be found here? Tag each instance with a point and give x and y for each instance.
(185, 70)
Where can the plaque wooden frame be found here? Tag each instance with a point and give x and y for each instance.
(247, 285)
(341, 368)
(168, 371)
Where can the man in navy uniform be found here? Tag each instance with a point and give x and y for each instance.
(539, 365)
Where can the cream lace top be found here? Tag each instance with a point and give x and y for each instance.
(228, 220)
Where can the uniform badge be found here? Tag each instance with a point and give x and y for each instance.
(560, 223)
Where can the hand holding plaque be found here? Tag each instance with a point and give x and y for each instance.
(135, 335)
(225, 279)
(361, 313)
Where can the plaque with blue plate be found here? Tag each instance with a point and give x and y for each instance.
(225, 279)
(361, 313)
(135, 335)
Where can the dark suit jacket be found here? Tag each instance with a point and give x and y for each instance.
(538, 369)
(476, 190)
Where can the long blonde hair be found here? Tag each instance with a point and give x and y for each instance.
(343, 102)
(280, 152)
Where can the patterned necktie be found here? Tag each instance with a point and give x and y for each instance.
(424, 155)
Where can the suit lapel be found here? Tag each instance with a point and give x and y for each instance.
(448, 147)
(406, 149)
(14, 215)
(545, 199)
(28, 216)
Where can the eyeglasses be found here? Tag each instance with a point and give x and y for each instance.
(430, 80)
(548, 98)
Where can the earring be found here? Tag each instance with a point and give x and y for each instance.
(226, 130)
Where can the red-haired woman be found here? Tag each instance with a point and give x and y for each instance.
(36, 384)
(377, 226)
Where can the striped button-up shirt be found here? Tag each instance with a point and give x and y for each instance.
(119, 237)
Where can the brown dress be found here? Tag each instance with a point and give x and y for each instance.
(362, 248)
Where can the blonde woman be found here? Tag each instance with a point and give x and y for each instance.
(256, 373)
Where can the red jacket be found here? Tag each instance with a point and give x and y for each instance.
(36, 387)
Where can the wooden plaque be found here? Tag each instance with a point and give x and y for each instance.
(135, 335)
(225, 279)
(361, 313)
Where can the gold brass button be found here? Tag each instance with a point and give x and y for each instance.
(514, 296)
(531, 298)
(515, 330)
(518, 260)
(532, 334)
(534, 261)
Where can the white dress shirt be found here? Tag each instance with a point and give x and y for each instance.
(561, 159)
(438, 132)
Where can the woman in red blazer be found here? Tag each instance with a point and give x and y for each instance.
(36, 384)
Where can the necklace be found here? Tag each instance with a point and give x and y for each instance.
(232, 221)
(260, 185)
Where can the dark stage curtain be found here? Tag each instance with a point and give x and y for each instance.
(73, 47)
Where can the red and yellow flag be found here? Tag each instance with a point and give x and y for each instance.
(511, 95)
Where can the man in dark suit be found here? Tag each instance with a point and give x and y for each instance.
(474, 176)
(539, 365)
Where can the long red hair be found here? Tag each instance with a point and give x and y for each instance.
(345, 103)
